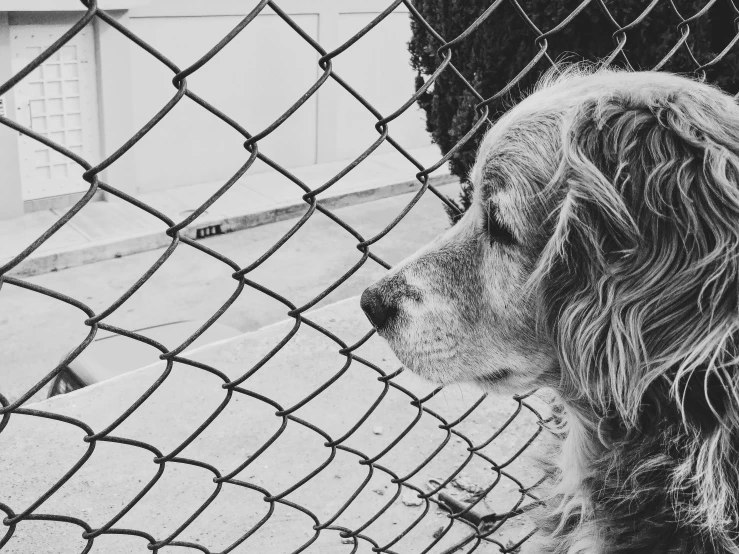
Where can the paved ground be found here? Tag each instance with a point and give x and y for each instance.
(37, 331)
(35, 452)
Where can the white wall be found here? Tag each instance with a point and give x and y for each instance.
(255, 79)
(377, 67)
(258, 76)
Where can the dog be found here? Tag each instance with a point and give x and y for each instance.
(599, 259)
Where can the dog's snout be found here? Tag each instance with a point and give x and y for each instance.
(378, 307)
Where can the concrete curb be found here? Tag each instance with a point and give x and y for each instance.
(82, 254)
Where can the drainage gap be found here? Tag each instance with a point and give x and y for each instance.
(208, 231)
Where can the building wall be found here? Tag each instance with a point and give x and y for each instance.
(378, 66)
(255, 79)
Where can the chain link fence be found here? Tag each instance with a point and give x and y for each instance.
(482, 525)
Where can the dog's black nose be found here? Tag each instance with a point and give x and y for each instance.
(377, 307)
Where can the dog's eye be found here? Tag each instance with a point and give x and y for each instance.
(496, 231)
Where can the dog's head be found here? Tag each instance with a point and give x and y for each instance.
(601, 252)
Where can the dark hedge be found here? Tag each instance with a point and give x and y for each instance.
(503, 45)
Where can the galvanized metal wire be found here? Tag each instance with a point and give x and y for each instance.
(482, 528)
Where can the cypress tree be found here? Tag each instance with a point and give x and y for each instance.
(504, 44)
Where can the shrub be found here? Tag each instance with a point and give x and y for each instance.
(503, 45)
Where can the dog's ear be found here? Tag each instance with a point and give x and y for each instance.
(641, 274)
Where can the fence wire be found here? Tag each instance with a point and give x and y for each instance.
(480, 528)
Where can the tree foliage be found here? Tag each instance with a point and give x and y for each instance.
(504, 44)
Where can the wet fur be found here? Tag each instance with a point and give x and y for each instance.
(620, 292)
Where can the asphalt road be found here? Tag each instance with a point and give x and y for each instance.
(37, 331)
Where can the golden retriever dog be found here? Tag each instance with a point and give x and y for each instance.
(600, 259)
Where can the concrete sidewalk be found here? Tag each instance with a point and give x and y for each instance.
(36, 451)
(105, 230)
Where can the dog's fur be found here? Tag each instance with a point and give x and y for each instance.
(600, 259)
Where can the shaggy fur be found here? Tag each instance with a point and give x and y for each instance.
(600, 259)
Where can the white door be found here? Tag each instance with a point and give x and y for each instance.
(59, 101)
